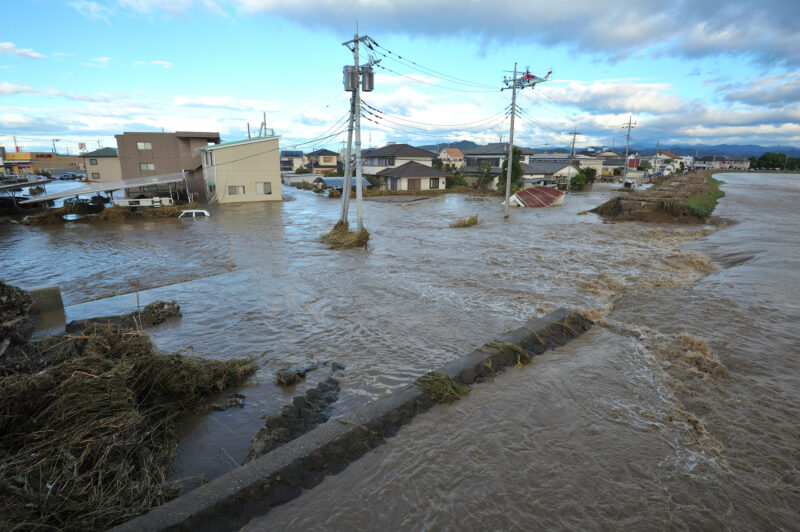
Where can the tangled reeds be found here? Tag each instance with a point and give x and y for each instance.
(466, 222)
(509, 350)
(87, 442)
(441, 388)
(341, 237)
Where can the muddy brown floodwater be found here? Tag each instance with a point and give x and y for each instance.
(679, 410)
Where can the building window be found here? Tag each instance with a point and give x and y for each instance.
(236, 190)
(263, 188)
(144, 146)
(93, 161)
(434, 183)
(95, 175)
(146, 166)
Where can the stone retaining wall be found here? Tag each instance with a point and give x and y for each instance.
(230, 501)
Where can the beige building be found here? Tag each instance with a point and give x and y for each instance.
(145, 154)
(242, 170)
(102, 166)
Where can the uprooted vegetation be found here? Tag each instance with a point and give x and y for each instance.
(682, 199)
(441, 388)
(341, 237)
(87, 425)
(469, 221)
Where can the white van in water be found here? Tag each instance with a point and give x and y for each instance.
(194, 213)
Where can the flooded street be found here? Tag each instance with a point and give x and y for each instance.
(680, 409)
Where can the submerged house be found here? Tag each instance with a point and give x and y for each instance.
(243, 170)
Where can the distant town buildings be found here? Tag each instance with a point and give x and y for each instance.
(323, 162)
(291, 160)
(452, 157)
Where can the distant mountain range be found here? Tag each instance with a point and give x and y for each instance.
(737, 150)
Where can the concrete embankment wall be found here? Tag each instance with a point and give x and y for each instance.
(230, 501)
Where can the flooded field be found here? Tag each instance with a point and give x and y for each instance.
(679, 410)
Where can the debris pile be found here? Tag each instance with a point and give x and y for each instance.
(466, 222)
(340, 237)
(87, 424)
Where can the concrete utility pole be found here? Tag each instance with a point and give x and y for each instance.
(572, 153)
(525, 81)
(655, 166)
(54, 144)
(355, 80)
(510, 159)
(348, 167)
(629, 125)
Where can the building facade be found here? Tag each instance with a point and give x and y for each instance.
(102, 166)
(26, 162)
(393, 156)
(143, 154)
(453, 157)
(291, 160)
(242, 171)
(323, 161)
(413, 176)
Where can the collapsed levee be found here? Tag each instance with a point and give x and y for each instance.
(230, 501)
(688, 199)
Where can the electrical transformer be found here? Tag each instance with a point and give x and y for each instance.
(350, 78)
(367, 79)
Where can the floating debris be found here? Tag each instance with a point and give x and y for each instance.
(466, 222)
(340, 237)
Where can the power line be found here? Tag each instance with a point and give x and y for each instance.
(467, 125)
(431, 84)
(430, 70)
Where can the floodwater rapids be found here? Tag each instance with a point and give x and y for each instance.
(679, 409)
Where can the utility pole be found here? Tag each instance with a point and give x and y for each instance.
(571, 153)
(365, 76)
(16, 147)
(510, 159)
(655, 166)
(348, 167)
(629, 125)
(54, 144)
(526, 81)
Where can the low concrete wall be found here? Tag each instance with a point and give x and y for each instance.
(46, 299)
(230, 501)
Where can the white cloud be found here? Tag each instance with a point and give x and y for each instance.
(771, 91)
(163, 64)
(91, 10)
(224, 102)
(98, 62)
(10, 49)
(7, 88)
(656, 98)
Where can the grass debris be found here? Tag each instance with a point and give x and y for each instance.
(88, 441)
(340, 237)
(511, 351)
(441, 388)
(466, 222)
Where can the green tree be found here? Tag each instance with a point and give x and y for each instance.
(516, 172)
(591, 175)
(753, 162)
(579, 180)
(617, 171)
(772, 160)
(437, 163)
(485, 168)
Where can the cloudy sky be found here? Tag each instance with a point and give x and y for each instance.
(688, 72)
